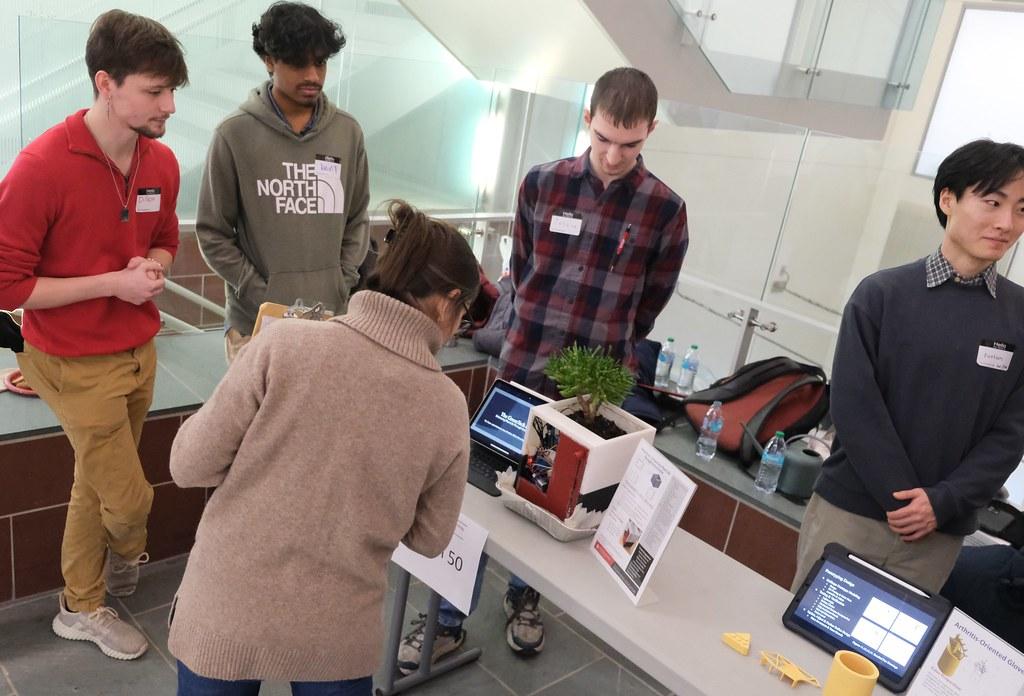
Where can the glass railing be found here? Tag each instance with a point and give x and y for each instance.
(782, 220)
(850, 51)
(787, 222)
(434, 133)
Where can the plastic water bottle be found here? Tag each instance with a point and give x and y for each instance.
(691, 362)
(707, 443)
(771, 464)
(665, 359)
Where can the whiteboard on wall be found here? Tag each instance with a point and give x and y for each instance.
(981, 94)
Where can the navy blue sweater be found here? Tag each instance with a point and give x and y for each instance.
(912, 406)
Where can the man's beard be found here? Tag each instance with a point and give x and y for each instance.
(143, 130)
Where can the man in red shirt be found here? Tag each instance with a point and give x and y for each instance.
(87, 228)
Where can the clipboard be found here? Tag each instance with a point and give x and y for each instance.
(269, 311)
(272, 311)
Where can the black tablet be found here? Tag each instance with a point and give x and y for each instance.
(846, 603)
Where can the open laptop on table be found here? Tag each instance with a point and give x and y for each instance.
(497, 432)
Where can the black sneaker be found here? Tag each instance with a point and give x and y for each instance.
(447, 640)
(524, 631)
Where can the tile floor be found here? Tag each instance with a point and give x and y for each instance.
(34, 662)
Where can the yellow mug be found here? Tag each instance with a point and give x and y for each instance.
(851, 675)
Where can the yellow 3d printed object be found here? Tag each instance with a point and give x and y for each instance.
(787, 670)
(952, 655)
(740, 642)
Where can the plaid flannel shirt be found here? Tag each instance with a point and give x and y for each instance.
(603, 287)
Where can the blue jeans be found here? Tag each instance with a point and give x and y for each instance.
(192, 684)
(450, 617)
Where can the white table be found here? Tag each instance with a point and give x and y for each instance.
(701, 593)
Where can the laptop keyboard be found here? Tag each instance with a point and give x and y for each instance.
(482, 473)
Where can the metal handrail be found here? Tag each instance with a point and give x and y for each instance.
(176, 324)
(190, 225)
(754, 302)
(182, 291)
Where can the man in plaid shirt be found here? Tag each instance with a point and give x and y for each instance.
(598, 242)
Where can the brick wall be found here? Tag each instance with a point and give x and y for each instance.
(756, 540)
(35, 484)
(36, 475)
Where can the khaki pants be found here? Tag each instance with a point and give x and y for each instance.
(926, 562)
(101, 402)
(234, 342)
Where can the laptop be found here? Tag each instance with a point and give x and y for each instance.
(497, 432)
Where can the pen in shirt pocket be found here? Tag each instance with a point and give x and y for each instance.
(623, 238)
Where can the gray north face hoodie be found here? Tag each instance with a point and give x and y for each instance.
(282, 216)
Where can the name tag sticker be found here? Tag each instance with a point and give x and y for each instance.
(330, 194)
(995, 355)
(567, 222)
(328, 167)
(147, 200)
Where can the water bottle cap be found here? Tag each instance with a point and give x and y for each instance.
(694, 346)
(716, 404)
(779, 433)
(670, 339)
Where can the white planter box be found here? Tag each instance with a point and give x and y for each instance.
(593, 465)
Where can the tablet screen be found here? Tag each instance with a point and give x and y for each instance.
(848, 604)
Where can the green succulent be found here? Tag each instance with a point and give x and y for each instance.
(590, 375)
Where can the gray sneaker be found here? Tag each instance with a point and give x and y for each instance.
(122, 574)
(446, 641)
(524, 631)
(113, 636)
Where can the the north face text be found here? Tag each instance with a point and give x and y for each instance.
(307, 188)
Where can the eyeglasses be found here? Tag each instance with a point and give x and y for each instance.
(467, 319)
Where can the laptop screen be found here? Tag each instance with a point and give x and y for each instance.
(500, 422)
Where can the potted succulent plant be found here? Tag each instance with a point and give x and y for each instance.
(593, 378)
(577, 449)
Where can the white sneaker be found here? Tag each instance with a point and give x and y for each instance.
(113, 636)
(122, 574)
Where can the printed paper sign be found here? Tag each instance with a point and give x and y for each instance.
(453, 573)
(641, 518)
(968, 659)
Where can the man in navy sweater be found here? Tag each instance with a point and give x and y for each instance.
(927, 389)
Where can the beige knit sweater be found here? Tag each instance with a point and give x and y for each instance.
(329, 443)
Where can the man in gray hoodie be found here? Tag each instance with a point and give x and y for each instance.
(282, 208)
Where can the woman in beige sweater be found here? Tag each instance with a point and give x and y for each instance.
(328, 444)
